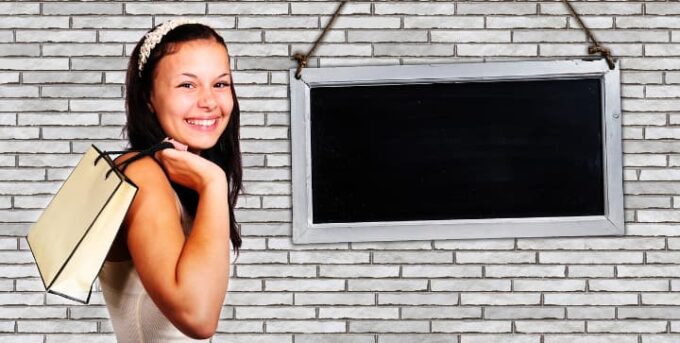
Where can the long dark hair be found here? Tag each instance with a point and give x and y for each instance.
(143, 129)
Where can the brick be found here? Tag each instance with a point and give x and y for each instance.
(32, 312)
(82, 91)
(359, 312)
(306, 326)
(650, 63)
(496, 50)
(264, 132)
(545, 326)
(174, 9)
(412, 257)
(131, 36)
(471, 36)
(19, 133)
(591, 299)
(259, 298)
(389, 326)
(647, 271)
(661, 299)
(17, 338)
(525, 271)
(599, 257)
(476, 244)
(618, 285)
(218, 23)
(526, 22)
(247, 22)
(106, 22)
(325, 8)
(496, 8)
(658, 216)
(599, 338)
(20, 50)
(34, 147)
(304, 285)
(441, 312)
(591, 271)
(66, 36)
(22, 174)
(75, 119)
(264, 257)
(385, 49)
(19, 8)
(377, 36)
(649, 312)
(82, 49)
(9, 77)
(495, 257)
(470, 285)
(523, 312)
(56, 326)
(247, 8)
(444, 22)
(415, 298)
(276, 202)
(637, 202)
(62, 77)
(275, 271)
(33, 63)
(85, 8)
(283, 312)
(471, 338)
(643, 229)
(387, 285)
(500, 298)
(592, 22)
(651, 22)
(647, 326)
(275, 160)
(33, 22)
(358, 271)
(97, 105)
(593, 8)
(286, 243)
(663, 257)
(549, 285)
(19, 91)
(99, 63)
(660, 338)
(471, 326)
(328, 257)
(416, 9)
(335, 298)
(81, 133)
(591, 312)
(240, 326)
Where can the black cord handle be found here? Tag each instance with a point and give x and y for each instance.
(146, 152)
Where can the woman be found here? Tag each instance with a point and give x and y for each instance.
(166, 275)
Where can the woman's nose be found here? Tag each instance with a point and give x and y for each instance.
(207, 99)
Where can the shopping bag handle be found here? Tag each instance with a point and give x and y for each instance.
(146, 152)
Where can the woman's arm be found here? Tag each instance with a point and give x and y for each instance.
(187, 279)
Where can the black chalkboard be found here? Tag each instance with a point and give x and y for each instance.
(459, 150)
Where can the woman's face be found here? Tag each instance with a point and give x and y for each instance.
(191, 95)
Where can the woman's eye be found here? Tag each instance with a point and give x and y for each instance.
(186, 85)
(222, 84)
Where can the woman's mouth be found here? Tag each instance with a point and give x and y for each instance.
(202, 124)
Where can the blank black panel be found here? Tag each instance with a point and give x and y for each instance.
(472, 150)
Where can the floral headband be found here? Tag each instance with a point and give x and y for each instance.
(151, 39)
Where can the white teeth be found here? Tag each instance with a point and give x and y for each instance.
(208, 122)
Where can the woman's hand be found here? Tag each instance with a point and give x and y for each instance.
(189, 170)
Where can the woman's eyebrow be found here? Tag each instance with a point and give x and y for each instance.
(195, 77)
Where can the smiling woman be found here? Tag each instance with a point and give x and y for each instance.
(175, 238)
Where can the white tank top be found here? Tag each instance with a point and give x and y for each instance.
(134, 316)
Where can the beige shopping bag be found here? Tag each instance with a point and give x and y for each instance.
(73, 235)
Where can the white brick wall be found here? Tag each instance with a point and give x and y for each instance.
(61, 86)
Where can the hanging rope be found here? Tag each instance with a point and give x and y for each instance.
(301, 58)
(596, 47)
